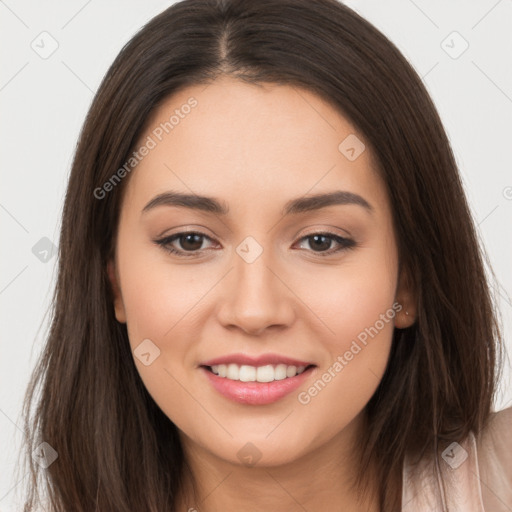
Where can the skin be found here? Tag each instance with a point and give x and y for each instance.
(255, 148)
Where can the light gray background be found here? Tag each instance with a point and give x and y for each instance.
(44, 102)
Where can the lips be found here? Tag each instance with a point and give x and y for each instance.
(256, 392)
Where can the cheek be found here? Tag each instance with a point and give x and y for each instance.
(361, 306)
(354, 295)
(165, 304)
(159, 297)
(342, 387)
(363, 324)
(359, 309)
(160, 301)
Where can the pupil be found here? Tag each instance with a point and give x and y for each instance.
(196, 239)
(325, 245)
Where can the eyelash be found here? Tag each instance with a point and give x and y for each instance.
(345, 243)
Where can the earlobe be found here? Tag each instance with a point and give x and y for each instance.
(118, 299)
(406, 297)
(404, 318)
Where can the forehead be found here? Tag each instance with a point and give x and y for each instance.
(250, 141)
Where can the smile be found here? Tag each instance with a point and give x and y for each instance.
(247, 373)
(253, 385)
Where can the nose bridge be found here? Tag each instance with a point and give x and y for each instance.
(255, 281)
(257, 298)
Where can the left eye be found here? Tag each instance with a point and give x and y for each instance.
(191, 242)
(321, 240)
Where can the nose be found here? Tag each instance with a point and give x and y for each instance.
(256, 297)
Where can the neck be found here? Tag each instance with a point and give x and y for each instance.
(323, 479)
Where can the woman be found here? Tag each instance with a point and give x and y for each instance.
(271, 295)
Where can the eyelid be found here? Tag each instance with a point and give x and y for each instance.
(327, 230)
(186, 229)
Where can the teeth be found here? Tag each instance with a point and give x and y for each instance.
(281, 371)
(246, 373)
(233, 372)
(265, 373)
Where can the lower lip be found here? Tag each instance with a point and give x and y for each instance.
(256, 393)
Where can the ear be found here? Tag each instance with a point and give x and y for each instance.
(406, 296)
(118, 299)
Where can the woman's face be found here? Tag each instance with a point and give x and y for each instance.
(277, 277)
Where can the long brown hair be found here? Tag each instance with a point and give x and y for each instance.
(117, 451)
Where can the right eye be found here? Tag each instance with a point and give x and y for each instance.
(190, 241)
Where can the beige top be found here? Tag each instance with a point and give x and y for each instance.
(477, 472)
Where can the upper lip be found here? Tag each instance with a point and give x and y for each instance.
(264, 359)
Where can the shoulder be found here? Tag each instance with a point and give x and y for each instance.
(495, 440)
(494, 450)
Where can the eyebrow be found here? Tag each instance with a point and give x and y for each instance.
(292, 207)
